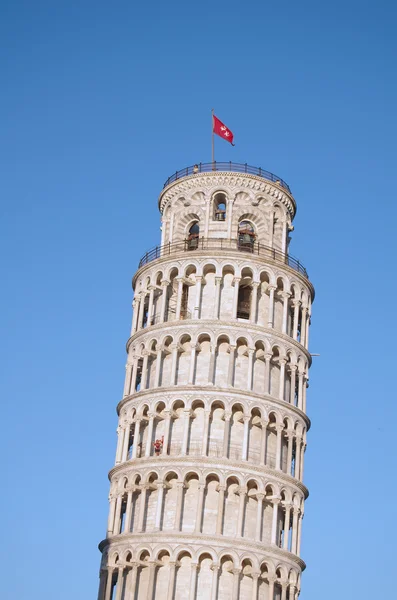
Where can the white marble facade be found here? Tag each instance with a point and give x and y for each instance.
(207, 493)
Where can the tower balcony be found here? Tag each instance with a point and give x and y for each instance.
(210, 244)
(224, 167)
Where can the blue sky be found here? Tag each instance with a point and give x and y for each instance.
(100, 103)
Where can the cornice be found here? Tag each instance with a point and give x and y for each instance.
(203, 463)
(233, 180)
(218, 324)
(196, 390)
(221, 543)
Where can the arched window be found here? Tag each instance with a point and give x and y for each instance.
(244, 302)
(220, 207)
(193, 236)
(246, 236)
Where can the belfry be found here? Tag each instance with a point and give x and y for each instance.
(207, 493)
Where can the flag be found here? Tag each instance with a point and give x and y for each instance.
(220, 129)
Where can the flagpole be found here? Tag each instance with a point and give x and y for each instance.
(212, 133)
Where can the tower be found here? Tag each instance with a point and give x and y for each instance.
(207, 493)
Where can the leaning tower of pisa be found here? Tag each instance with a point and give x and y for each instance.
(207, 493)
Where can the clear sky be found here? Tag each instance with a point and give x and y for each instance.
(100, 103)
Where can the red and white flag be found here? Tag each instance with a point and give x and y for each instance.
(220, 129)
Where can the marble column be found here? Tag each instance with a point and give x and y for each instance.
(276, 502)
(236, 282)
(218, 281)
(197, 304)
(259, 513)
(136, 438)
(164, 285)
(286, 296)
(159, 359)
(192, 365)
(159, 507)
(241, 508)
(232, 360)
(199, 511)
(149, 435)
(221, 507)
(271, 289)
(171, 581)
(226, 434)
(179, 502)
(250, 373)
(287, 519)
(244, 453)
(254, 301)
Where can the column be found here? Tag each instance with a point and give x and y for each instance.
(303, 326)
(117, 516)
(251, 352)
(232, 358)
(305, 385)
(302, 459)
(142, 503)
(254, 301)
(226, 434)
(296, 304)
(298, 550)
(159, 507)
(133, 580)
(198, 297)
(214, 588)
(127, 430)
(109, 584)
(211, 370)
(236, 583)
(179, 298)
(286, 296)
(287, 519)
(308, 322)
(186, 423)
(192, 365)
(102, 583)
(175, 349)
(136, 438)
(144, 370)
(292, 591)
(199, 511)
(141, 311)
(259, 512)
(166, 431)
(244, 453)
(255, 577)
(295, 516)
(218, 281)
(171, 581)
(268, 358)
(164, 285)
(271, 228)
(275, 519)
(284, 591)
(290, 438)
(298, 443)
(120, 444)
(292, 369)
(134, 374)
(271, 588)
(128, 512)
(264, 424)
(229, 215)
(179, 500)
(236, 282)
(112, 511)
(242, 491)
(151, 568)
(193, 579)
(281, 389)
(120, 577)
(271, 289)
(128, 374)
(150, 309)
(279, 429)
(284, 238)
(135, 310)
(221, 505)
(300, 389)
(159, 359)
(149, 435)
(206, 432)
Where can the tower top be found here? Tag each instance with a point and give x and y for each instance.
(255, 180)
